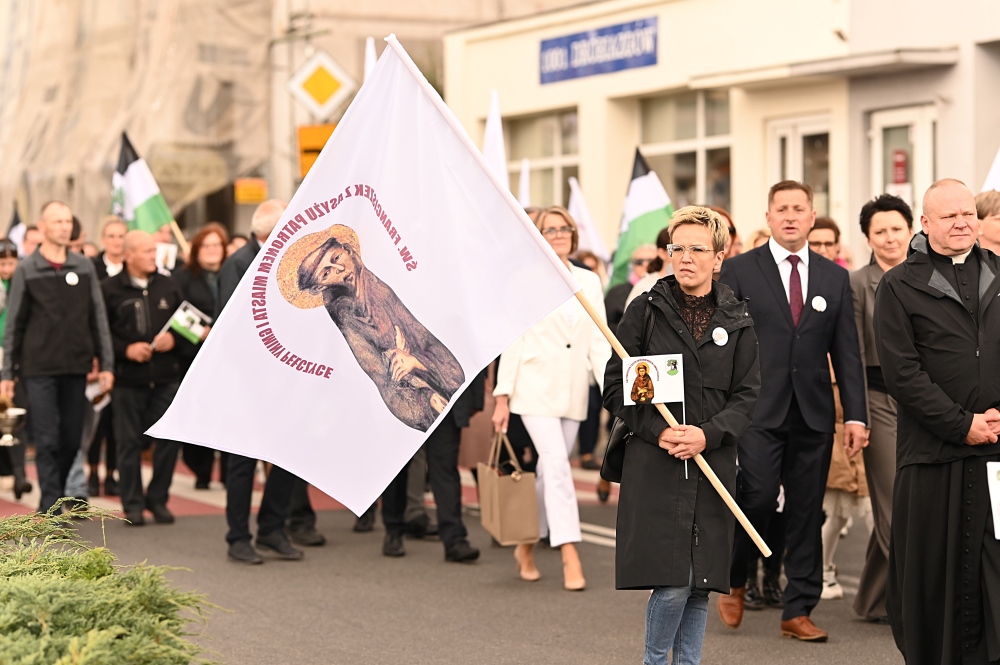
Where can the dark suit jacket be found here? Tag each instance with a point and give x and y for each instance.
(793, 359)
(232, 272)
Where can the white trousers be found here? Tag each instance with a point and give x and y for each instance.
(558, 512)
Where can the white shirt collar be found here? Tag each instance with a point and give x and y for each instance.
(960, 258)
(780, 253)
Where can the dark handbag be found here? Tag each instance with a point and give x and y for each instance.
(614, 454)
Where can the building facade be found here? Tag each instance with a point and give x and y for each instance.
(725, 97)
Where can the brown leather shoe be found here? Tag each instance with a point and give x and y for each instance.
(731, 607)
(802, 628)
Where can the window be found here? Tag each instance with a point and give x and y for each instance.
(800, 150)
(550, 144)
(685, 139)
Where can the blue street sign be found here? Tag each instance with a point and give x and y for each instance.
(609, 49)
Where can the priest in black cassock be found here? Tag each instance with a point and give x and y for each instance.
(937, 319)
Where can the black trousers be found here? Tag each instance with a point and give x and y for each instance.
(105, 432)
(55, 410)
(798, 458)
(589, 428)
(239, 490)
(136, 410)
(301, 516)
(446, 484)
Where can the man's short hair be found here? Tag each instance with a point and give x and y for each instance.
(884, 203)
(265, 217)
(108, 220)
(788, 186)
(47, 204)
(827, 223)
(987, 204)
(699, 216)
(940, 183)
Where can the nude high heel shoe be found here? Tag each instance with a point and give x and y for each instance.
(573, 579)
(526, 568)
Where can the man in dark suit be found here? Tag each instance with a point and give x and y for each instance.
(278, 490)
(442, 467)
(802, 310)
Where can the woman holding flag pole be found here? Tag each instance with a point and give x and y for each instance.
(675, 532)
(544, 377)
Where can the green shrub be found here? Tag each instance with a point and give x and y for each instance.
(64, 603)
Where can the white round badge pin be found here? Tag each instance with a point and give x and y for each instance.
(720, 337)
(819, 304)
(72, 278)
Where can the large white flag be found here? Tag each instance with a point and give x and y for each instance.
(590, 239)
(400, 269)
(993, 176)
(494, 148)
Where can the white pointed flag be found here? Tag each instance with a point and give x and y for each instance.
(370, 58)
(399, 270)
(494, 149)
(590, 239)
(524, 184)
(993, 177)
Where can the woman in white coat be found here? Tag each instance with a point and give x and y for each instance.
(544, 377)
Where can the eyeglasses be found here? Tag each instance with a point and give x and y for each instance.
(641, 262)
(696, 251)
(816, 244)
(552, 231)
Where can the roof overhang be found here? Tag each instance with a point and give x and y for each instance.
(848, 66)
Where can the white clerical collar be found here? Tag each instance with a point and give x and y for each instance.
(780, 253)
(960, 258)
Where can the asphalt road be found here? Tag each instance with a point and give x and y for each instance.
(346, 603)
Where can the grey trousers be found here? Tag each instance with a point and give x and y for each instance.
(880, 468)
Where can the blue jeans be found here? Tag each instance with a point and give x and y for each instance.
(676, 618)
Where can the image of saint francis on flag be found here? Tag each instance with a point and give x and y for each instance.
(646, 212)
(400, 269)
(135, 196)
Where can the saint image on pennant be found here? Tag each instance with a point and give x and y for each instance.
(642, 387)
(416, 375)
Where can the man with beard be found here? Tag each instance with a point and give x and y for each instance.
(414, 372)
(937, 327)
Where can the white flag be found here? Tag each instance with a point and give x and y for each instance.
(399, 270)
(590, 239)
(993, 178)
(524, 184)
(494, 149)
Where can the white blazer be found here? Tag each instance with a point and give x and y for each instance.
(546, 372)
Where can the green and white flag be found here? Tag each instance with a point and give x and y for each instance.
(189, 322)
(647, 211)
(135, 196)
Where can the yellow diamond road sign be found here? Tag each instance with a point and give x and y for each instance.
(321, 85)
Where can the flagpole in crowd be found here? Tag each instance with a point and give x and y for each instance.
(619, 349)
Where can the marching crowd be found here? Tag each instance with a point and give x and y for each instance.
(823, 399)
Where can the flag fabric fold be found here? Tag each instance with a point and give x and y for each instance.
(647, 211)
(590, 239)
(400, 269)
(135, 196)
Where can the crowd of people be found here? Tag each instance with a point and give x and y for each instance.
(824, 399)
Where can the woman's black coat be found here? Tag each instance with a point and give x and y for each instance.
(666, 522)
(197, 292)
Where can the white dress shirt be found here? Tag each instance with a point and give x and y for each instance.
(781, 255)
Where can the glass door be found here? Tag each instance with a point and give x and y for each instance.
(903, 154)
(799, 149)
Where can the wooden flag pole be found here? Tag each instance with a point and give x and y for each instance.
(699, 460)
(181, 240)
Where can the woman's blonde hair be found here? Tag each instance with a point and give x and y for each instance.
(758, 235)
(562, 212)
(700, 216)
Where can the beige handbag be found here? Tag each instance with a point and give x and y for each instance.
(508, 505)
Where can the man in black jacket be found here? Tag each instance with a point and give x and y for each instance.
(937, 322)
(278, 490)
(56, 325)
(803, 310)
(140, 303)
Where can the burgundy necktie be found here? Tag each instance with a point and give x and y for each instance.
(795, 289)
